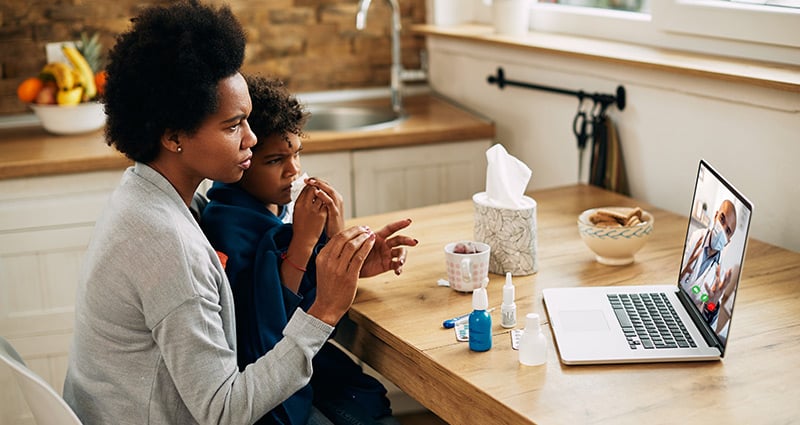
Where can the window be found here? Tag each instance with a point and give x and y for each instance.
(750, 29)
(754, 22)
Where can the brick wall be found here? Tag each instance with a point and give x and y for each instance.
(313, 45)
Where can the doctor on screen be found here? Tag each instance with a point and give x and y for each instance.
(702, 276)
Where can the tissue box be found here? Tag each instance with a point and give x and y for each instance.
(511, 234)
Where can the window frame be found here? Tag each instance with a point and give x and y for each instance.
(730, 20)
(659, 28)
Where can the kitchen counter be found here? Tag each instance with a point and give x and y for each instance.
(31, 151)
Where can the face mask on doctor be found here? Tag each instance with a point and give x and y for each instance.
(718, 237)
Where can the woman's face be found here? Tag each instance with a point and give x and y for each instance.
(274, 167)
(220, 149)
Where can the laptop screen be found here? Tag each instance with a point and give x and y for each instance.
(714, 249)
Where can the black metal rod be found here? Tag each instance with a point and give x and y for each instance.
(603, 99)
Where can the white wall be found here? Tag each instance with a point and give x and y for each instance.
(750, 134)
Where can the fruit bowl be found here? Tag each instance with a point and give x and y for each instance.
(613, 243)
(71, 119)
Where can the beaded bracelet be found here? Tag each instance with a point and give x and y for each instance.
(285, 257)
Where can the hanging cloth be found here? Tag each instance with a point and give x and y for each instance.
(607, 167)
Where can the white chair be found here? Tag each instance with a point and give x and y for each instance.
(47, 406)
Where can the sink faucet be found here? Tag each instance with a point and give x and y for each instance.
(398, 74)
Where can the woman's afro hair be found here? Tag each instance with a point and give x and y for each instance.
(275, 110)
(163, 74)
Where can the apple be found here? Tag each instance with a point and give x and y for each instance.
(47, 95)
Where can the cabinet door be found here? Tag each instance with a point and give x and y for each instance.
(45, 227)
(414, 176)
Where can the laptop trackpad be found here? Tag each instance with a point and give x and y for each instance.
(583, 320)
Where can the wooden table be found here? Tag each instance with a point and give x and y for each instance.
(398, 330)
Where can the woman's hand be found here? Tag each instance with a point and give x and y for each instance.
(335, 222)
(389, 253)
(338, 266)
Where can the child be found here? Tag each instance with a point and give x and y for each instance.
(271, 264)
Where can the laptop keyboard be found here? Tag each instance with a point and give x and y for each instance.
(649, 321)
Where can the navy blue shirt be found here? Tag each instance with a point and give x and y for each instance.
(253, 239)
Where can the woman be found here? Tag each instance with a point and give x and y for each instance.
(154, 334)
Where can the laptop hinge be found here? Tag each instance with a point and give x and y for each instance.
(708, 334)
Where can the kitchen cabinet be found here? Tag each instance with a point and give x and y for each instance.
(414, 176)
(374, 181)
(45, 227)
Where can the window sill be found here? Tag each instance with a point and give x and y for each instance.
(762, 74)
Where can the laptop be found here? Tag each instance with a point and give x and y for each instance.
(614, 324)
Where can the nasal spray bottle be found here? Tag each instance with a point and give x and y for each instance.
(508, 308)
(480, 322)
(532, 345)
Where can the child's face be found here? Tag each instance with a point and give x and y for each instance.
(274, 167)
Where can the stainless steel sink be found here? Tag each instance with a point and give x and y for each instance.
(351, 118)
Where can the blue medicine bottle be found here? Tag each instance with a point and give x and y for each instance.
(480, 322)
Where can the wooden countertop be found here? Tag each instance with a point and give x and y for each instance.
(31, 151)
(398, 329)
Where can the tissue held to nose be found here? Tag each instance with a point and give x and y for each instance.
(298, 185)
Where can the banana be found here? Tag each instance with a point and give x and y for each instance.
(79, 63)
(62, 73)
(80, 79)
(70, 97)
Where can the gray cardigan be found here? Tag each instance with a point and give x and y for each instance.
(155, 338)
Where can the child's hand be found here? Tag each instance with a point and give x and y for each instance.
(335, 222)
(389, 253)
(309, 217)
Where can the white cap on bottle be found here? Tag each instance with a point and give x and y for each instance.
(508, 290)
(532, 322)
(480, 299)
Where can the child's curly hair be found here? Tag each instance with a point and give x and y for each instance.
(163, 74)
(275, 110)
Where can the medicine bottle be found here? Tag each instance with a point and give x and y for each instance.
(480, 322)
(508, 309)
(532, 345)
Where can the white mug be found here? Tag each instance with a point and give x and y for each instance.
(467, 272)
(511, 17)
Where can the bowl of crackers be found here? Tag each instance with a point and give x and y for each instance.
(615, 234)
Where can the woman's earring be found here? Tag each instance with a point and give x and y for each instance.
(180, 149)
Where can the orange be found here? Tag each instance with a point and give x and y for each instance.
(28, 89)
(100, 82)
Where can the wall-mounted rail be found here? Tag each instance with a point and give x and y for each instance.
(600, 99)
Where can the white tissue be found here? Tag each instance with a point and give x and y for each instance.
(298, 185)
(506, 179)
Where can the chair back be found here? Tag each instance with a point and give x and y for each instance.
(47, 406)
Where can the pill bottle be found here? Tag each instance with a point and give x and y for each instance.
(508, 309)
(532, 345)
